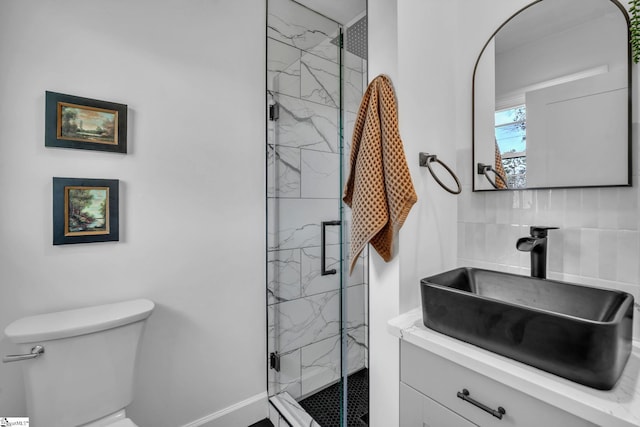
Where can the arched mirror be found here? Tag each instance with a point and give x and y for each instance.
(552, 98)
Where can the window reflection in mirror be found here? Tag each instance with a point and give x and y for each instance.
(511, 137)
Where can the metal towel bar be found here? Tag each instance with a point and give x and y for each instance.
(426, 159)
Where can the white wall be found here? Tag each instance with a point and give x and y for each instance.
(192, 213)
(384, 292)
(428, 110)
(421, 65)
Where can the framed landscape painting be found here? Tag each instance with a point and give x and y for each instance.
(90, 124)
(85, 210)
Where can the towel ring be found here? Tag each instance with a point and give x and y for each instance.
(483, 169)
(426, 159)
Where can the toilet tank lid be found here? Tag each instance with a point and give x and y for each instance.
(69, 323)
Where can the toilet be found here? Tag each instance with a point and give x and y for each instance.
(84, 374)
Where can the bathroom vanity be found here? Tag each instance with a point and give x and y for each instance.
(440, 375)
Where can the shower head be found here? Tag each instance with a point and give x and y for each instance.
(356, 38)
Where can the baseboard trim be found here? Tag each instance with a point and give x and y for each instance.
(243, 413)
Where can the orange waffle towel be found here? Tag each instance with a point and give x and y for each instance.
(379, 189)
(499, 168)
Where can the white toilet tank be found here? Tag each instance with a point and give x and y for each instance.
(87, 368)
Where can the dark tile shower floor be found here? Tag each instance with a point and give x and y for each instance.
(324, 406)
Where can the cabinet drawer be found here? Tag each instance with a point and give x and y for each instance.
(417, 410)
(441, 380)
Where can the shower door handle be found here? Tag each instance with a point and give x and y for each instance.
(323, 254)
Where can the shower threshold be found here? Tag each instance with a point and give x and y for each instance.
(322, 409)
(291, 411)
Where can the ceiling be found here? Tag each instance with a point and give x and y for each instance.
(549, 17)
(343, 11)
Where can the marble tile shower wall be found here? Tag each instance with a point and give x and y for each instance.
(598, 242)
(303, 189)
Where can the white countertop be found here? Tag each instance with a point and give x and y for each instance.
(619, 407)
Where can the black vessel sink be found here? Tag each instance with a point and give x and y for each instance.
(577, 332)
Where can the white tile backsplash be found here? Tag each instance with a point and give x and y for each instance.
(589, 207)
(628, 260)
(490, 211)
(504, 208)
(572, 251)
(573, 208)
(589, 251)
(479, 241)
(608, 244)
(607, 211)
(477, 208)
(557, 207)
(555, 251)
(462, 242)
(527, 206)
(628, 208)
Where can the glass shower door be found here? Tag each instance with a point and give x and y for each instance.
(316, 312)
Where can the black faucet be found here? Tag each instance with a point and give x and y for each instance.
(537, 245)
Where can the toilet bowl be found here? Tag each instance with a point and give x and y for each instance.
(79, 364)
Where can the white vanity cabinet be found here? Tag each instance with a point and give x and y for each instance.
(434, 384)
(431, 385)
(434, 368)
(416, 409)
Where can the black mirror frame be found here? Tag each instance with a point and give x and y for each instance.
(475, 177)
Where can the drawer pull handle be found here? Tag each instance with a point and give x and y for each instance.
(464, 395)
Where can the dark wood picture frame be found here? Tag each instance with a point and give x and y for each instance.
(85, 123)
(85, 210)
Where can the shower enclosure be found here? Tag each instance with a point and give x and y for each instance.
(317, 313)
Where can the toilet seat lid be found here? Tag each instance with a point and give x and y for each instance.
(123, 423)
